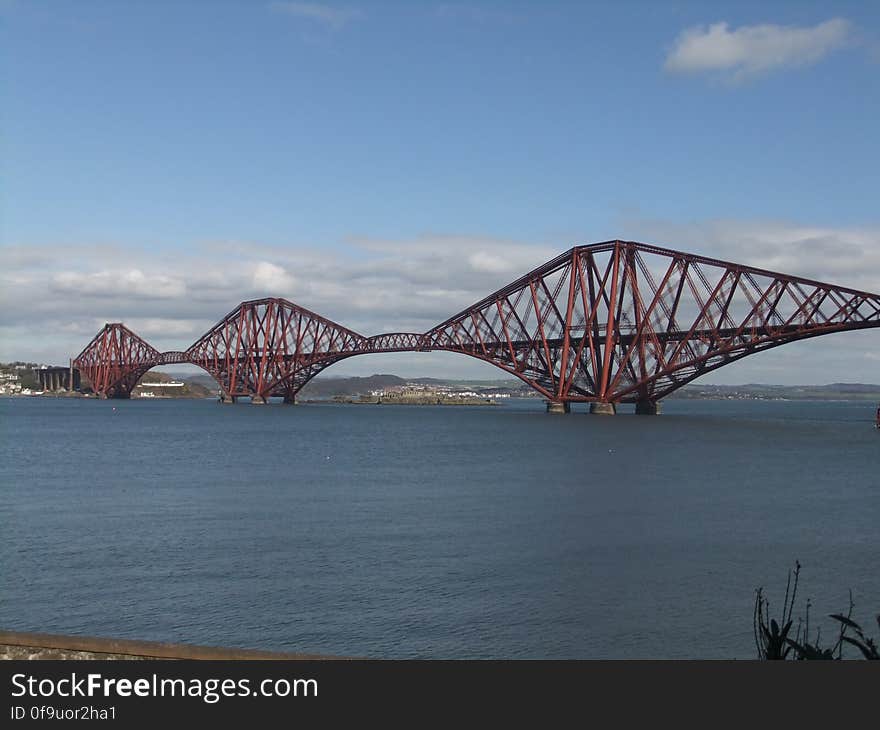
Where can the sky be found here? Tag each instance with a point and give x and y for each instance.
(387, 164)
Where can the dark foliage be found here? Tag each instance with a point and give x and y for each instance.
(773, 640)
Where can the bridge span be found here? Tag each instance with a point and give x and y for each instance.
(607, 323)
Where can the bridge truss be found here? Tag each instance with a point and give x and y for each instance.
(607, 323)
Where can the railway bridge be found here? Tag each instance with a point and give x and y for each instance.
(606, 323)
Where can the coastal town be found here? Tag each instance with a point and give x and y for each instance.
(18, 378)
(422, 394)
(27, 379)
(38, 379)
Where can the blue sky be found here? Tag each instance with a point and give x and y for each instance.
(193, 153)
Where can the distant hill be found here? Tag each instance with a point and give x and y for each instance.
(190, 389)
(317, 388)
(205, 380)
(325, 387)
(328, 386)
(758, 391)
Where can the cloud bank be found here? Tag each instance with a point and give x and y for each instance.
(752, 50)
(52, 304)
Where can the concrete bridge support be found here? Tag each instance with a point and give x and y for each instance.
(258, 400)
(648, 408)
(227, 399)
(58, 378)
(601, 408)
(558, 406)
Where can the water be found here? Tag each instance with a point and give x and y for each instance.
(443, 532)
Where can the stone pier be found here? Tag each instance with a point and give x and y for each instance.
(57, 378)
(227, 399)
(258, 400)
(648, 408)
(603, 409)
(557, 406)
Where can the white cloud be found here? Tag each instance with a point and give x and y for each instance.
(272, 279)
(327, 15)
(492, 264)
(465, 257)
(754, 49)
(843, 256)
(168, 327)
(375, 286)
(131, 282)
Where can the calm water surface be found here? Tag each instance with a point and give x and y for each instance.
(395, 531)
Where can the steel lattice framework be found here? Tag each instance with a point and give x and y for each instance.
(115, 360)
(268, 346)
(611, 323)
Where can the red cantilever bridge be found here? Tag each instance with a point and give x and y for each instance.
(607, 323)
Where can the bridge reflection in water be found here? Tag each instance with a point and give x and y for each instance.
(609, 323)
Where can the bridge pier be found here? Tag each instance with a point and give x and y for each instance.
(227, 399)
(290, 400)
(602, 408)
(558, 406)
(648, 408)
(258, 400)
(55, 379)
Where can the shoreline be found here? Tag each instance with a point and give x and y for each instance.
(17, 645)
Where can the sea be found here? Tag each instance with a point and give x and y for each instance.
(447, 532)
